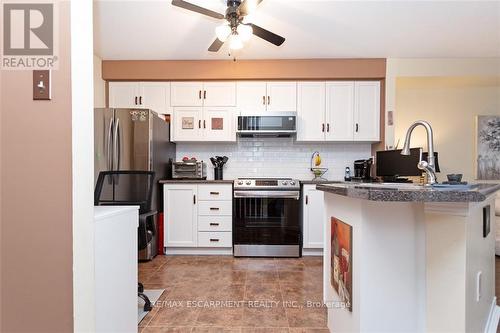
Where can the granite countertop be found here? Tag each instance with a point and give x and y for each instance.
(321, 181)
(195, 181)
(409, 193)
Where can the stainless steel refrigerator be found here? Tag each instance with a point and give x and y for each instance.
(133, 139)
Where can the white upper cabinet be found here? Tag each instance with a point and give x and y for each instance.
(187, 124)
(124, 95)
(282, 96)
(155, 96)
(367, 111)
(186, 94)
(219, 94)
(144, 95)
(204, 124)
(311, 111)
(339, 111)
(219, 124)
(251, 97)
(203, 93)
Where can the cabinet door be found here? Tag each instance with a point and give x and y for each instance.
(187, 124)
(311, 111)
(186, 94)
(219, 94)
(282, 96)
(367, 111)
(181, 215)
(339, 111)
(219, 124)
(314, 217)
(251, 97)
(155, 96)
(124, 95)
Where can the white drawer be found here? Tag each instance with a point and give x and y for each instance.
(215, 208)
(215, 223)
(215, 191)
(215, 239)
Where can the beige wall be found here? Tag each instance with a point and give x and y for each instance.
(450, 104)
(36, 199)
(99, 84)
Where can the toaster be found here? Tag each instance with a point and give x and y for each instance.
(189, 170)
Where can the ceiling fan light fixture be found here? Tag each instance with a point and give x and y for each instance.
(245, 32)
(236, 43)
(222, 32)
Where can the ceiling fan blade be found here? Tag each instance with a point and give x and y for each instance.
(267, 35)
(216, 45)
(248, 5)
(198, 9)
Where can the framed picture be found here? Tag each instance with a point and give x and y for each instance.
(488, 148)
(187, 122)
(341, 260)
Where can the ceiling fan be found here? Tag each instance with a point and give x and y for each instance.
(233, 29)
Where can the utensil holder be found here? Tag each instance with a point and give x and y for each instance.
(218, 175)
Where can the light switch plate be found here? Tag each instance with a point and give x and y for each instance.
(41, 85)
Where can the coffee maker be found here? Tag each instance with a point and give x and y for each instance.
(363, 170)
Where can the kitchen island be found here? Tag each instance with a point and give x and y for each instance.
(402, 257)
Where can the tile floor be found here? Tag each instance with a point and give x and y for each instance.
(224, 294)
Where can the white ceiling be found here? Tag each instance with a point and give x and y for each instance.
(312, 28)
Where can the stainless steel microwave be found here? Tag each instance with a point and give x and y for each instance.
(280, 124)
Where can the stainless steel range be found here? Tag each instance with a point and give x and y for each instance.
(266, 217)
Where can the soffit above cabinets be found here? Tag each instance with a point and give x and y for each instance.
(156, 30)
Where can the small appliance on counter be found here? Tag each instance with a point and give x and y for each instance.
(189, 168)
(392, 167)
(363, 170)
(218, 162)
(315, 167)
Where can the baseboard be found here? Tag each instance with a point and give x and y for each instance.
(312, 252)
(493, 317)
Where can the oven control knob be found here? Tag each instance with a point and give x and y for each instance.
(240, 182)
(248, 182)
(284, 182)
(292, 183)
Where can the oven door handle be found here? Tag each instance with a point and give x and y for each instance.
(268, 194)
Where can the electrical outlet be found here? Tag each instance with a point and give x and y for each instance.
(479, 277)
(41, 85)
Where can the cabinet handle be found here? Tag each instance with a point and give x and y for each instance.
(214, 208)
(135, 100)
(204, 94)
(204, 124)
(307, 200)
(214, 224)
(328, 127)
(194, 199)
(140, 100)
(214, 193)
(268, 100)
(199, 94)
(214, 239)
(263, 100)
(322, 127)
(357, 127)
(199, 123)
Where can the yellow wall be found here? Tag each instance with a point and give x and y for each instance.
(450, 104)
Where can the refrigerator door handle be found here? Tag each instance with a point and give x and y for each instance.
(109, 147)
(117, 145)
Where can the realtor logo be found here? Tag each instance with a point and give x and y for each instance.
(28, 36)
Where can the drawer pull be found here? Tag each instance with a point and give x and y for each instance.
(214, 224)
(214, 208)
(214, 193)
(214, 239)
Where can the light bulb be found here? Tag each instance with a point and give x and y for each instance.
(223, 32)
(245, 32)
(236, 42)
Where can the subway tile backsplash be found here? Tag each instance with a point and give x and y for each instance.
(276, 157)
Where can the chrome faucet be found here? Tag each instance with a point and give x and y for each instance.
(428, 166)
